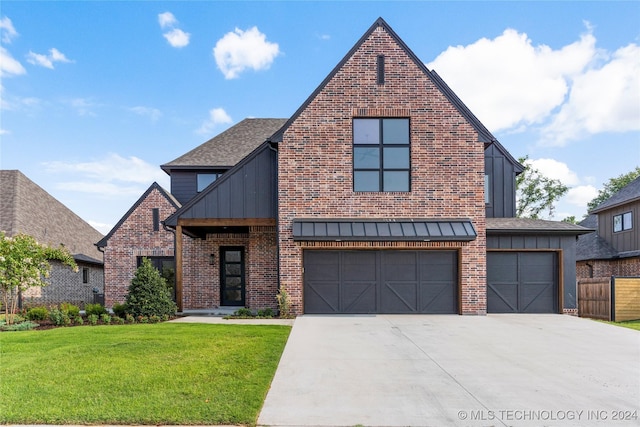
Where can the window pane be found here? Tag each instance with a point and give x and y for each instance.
(232, 269)
(204, 179)
(617, 223)
(396, 181)
(395, 131)
(396, 158)
(232, 256)
(366, 131)
(627, 222)
(366, 181)
(366, 158)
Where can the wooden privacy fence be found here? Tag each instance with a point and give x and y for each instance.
(616, 298)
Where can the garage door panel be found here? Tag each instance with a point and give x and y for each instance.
(322, 265)
(502, 298)
(399, 297)
(502, 267)
(358, 297)
(322, 297)
(538, 298)
(438, 298)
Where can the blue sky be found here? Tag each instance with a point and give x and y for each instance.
(96, 95)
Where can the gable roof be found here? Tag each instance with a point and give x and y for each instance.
(533, 226)
(483, 134)
(627, 194)
(27, 208)
(229, 147)
(155, 186)
(592, 246)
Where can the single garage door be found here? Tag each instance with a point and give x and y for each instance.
(380, 282)
(522, 282)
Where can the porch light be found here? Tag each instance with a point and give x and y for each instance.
(212, 259)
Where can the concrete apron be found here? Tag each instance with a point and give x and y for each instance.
(432, 370)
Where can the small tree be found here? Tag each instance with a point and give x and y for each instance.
(536, 193)
(25, 263)
(612, 187)
(148, 293)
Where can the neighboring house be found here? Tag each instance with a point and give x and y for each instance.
(382, 193)
(27, 208)
(614, 248)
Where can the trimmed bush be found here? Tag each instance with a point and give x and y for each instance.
(38, 313)
(119, 310)
(148, 293)
(72, 311)
(97, 309)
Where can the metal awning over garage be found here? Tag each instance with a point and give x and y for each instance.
(383, 230)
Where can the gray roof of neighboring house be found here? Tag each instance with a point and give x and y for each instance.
(626, 194)
(592, 246)
(528, 225)
(26, 208)
(155, 186)
(228, 148)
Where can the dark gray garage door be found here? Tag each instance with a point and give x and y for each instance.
(380, 282)
(522, 282)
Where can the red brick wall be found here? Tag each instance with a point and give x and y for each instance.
(135, 237)
(447, 162)
(201, 280)
(625, 267)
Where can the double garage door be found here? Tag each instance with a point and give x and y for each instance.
(380, 281)
(522, 282)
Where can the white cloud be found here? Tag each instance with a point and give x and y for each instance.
(83, 106)
(217, 116)
(177, 37)
(152, 113)
(8, 65)
(101, 226)
(581, 195)
(508, 82)
(606, 99)
(4, 132)
(7, 30)
(166, 19)
(47, 60)
(555, 170)
(109, 170)
(238, 50)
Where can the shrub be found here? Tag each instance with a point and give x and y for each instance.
(154, 319)
(119, 310)
(118, 320)
(92, 319)
(97, 309)
(243, 312)
(59, 317)
(106, 318)
(129, 318)
(38, 313)
(148, 293)
(266, 312)
(284, 304)
(72, 311)
(22, 326)
(79, 320)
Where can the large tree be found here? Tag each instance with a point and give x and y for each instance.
(25, 263)
(613, 186)
(536, 193)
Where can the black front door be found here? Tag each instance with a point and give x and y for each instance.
(232, 276)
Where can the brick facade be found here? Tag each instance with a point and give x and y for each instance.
(315, 175)
(623, 267)
(133, 238)
(201, 280)
(68, 286)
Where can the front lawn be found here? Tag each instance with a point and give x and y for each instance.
(632, 324)
(138, 374)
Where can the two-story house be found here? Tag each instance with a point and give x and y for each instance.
(614, 248)
(382, 193)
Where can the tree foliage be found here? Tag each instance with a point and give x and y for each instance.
(536, 193)
(148, 293)
(613, 186)
(25, 263)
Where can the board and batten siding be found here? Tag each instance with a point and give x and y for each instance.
(622, 241)
(501, 172)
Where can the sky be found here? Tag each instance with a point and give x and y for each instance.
(96, 95)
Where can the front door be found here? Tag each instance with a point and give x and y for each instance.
(232, 276)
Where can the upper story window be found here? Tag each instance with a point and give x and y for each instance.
(622, 222)
(204, 179)
(381, 154)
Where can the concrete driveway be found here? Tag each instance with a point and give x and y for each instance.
(495, 370)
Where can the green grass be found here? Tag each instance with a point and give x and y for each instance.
(138, 374)
(631, 324)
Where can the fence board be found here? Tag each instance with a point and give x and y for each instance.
(626, 304)
(594, 298)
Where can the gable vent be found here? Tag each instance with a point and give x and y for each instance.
(380, 69)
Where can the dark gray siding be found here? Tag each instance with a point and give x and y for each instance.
(626, 240)
(248, 191)
(554, 242)
(502, 181)
(183, 185)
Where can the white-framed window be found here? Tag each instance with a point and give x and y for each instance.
(622, 222)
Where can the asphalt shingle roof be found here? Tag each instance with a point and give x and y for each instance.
(228, 148)
(626, 194)
(592, 246)
(528, 225)
(26, 208)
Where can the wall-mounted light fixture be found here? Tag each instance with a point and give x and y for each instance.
(212, 259)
